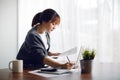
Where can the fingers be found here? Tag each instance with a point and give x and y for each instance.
(69, 65)
(56, 54)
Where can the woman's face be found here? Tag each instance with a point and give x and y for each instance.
(51, 26)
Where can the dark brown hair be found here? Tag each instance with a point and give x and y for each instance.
(46, 16)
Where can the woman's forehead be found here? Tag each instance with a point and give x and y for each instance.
(56, 21)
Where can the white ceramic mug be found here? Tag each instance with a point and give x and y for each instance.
(17, 66)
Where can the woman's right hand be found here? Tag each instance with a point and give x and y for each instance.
(67, 65)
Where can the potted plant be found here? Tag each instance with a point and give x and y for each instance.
(86, 62)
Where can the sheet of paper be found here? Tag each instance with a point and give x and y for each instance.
(69, 52)
(36, 72)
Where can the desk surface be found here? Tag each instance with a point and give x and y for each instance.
(104, 71)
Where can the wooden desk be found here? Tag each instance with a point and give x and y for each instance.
(99, 72)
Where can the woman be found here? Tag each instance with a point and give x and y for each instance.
(35, 50)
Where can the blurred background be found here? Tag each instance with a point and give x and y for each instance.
(91, 24)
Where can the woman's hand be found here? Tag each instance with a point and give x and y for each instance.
(67, 66)
(56, 64)
(56, 54)
(53, 54)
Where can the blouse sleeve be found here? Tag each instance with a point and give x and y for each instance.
(36, 48)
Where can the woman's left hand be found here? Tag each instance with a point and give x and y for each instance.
(56, 54)
(53, 54)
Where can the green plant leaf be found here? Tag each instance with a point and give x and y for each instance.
(88, 55)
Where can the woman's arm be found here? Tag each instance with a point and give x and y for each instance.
(56, 64)
(53, 54)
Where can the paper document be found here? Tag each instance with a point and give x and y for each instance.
(69, 52)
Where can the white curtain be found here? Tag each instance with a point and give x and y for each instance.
(87, 23)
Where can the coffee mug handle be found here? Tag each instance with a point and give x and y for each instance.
(10, 65)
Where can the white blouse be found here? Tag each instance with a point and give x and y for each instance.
(44, 39)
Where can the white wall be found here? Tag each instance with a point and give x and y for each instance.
(8, 31)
